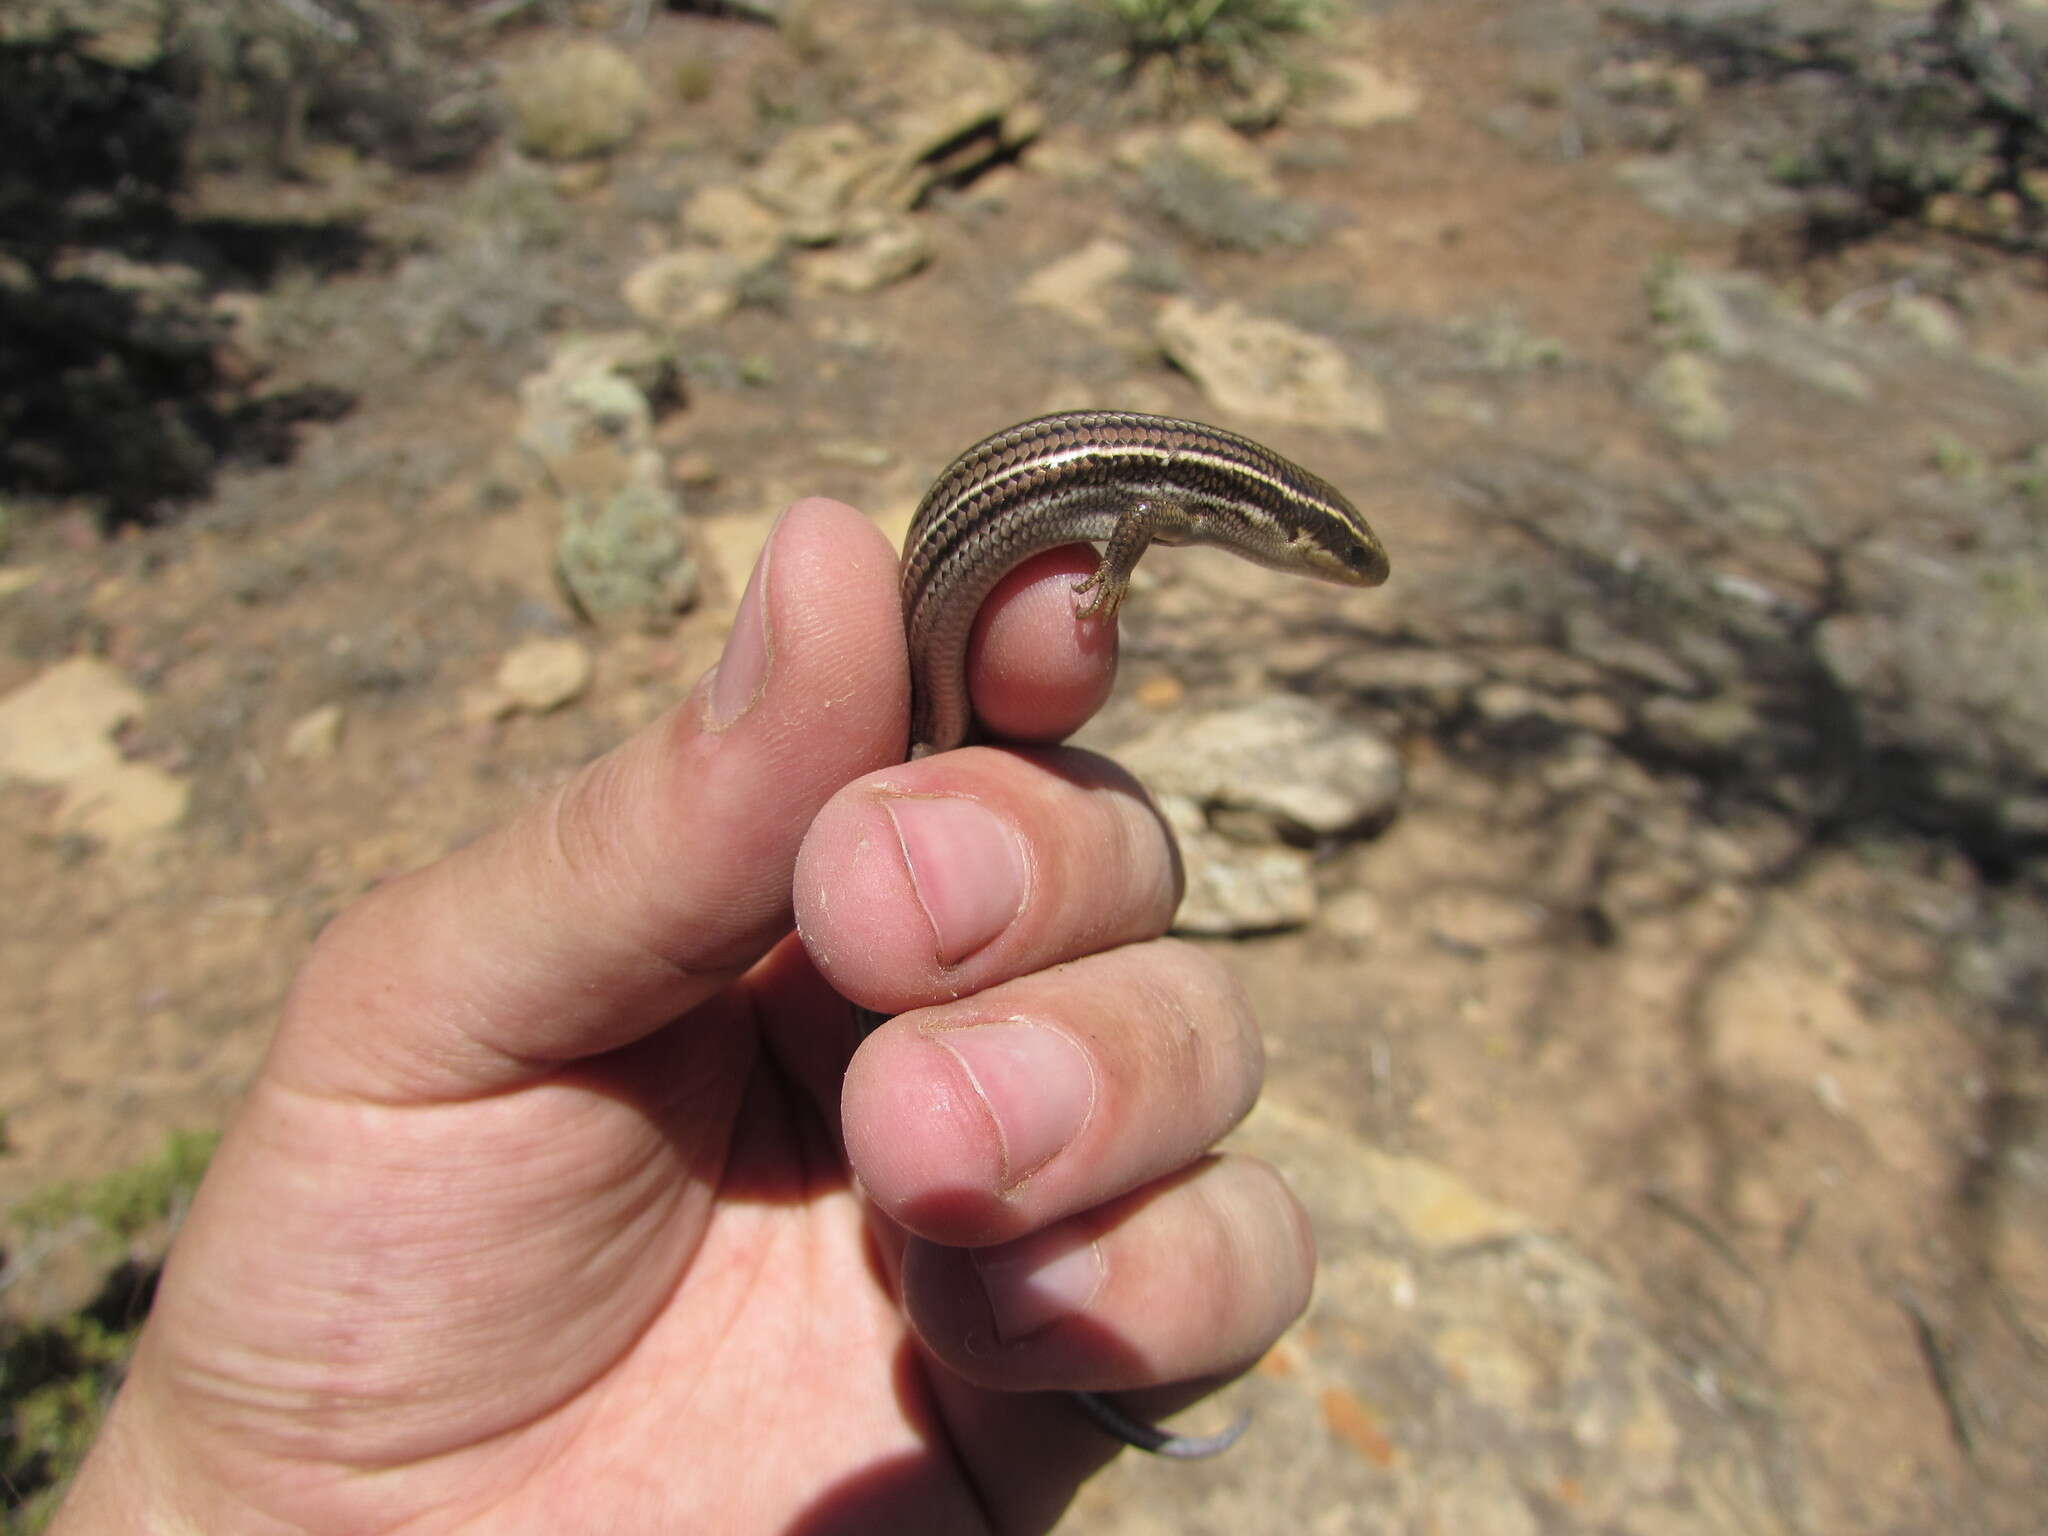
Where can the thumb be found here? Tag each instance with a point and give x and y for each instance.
(643, 884)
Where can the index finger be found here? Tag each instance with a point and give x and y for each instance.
(1036, 670)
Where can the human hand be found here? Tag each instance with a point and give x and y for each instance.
(538, 1218)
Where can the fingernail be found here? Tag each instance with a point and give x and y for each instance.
(1038, 1086)
(1037, 1280)
(966, 866)
(743, 669)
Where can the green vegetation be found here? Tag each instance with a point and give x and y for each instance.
(1956, 461)
(1328, 309)
(574, 100)
(1660, 288)
(125, 1203)
(1157, 271)
(766, 287)
(1217, 34)
(55, 1383)
(2029, 480)
(1926, 113)
(519, 198)
(1500, 341)
(1180, 53)
(693, 80)
(56, 1378)
(1220, 210)
(722, 370)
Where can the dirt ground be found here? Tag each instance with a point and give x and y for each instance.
(1731, 1053)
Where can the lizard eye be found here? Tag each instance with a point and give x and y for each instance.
(1354, 562)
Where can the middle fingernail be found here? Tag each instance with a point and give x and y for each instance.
(1037, 1084)
(1038, 1280)
(966, 865)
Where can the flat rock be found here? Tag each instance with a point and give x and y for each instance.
(59, 730)
(1077, 284)
(124, 804)
(597, 389)
(61, 725)
(816, 176)
(1460, 1370)
(1242, 788)
(726, 218)
(876, 248)
(1715, 727)
(1298, 769)
(1268, 370)
(931, 110)
(315, 736)
(678, 289)
(1235, 887)
(540, 675)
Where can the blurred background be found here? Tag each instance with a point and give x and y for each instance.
(1646, 892)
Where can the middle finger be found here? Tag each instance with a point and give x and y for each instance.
(934, 879)
(982, 1120)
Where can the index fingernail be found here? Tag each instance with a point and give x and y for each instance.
(966, 867)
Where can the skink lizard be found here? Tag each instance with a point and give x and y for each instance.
(1125, 481)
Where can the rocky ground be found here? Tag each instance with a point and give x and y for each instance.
(1648, 904)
